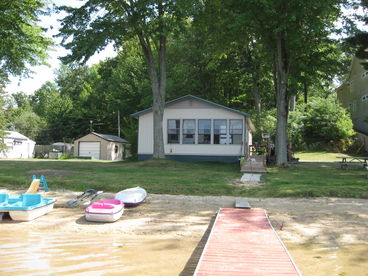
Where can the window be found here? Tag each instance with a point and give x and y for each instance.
(188, 131)
(173, 131)
(116, 149)
(220, 132)
(204, 131)
(236, 131)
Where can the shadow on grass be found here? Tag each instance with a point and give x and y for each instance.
(192, 263)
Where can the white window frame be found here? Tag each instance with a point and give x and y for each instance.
(211, 132)
(182, 131)
(179, 142)
(242, 132)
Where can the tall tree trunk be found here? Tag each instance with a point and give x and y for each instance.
(305, 86)
(282, 66)
(255, 90)
(251, 59)
(158, 86)
(292, 103)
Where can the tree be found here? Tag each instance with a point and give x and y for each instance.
(289, 30)
(359, 40)
(97, 23)
(2, 117)
(22, 42)
(29, 124)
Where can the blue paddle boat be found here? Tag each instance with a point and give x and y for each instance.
(25, 207)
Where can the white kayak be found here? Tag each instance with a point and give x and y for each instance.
(132, 196)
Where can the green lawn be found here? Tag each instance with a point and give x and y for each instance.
(171, 177)
(319, 156)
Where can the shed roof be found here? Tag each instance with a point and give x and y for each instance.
(111, 138)
(191, 97)
(16, 136)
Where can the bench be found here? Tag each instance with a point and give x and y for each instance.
(348, 160)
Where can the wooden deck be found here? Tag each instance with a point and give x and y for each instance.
(243, 242)
(254, 164)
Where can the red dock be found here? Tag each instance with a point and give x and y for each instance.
(243, 242)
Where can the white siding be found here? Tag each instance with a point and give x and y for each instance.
(188, 109)
(18, 146)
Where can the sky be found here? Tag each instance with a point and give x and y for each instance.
(47, 73)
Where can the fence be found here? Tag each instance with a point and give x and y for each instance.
(41, 150)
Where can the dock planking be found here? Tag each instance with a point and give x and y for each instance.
(243, 242)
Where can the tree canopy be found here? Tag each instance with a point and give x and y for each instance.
(260, 57)
(22, 41)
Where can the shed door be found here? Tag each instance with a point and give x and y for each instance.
(89, 149)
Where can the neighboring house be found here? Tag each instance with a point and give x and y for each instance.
(18, 146)
(197, 130)
(100, 146)
(353, 95)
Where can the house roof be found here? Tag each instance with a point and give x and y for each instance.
(16, 136)
(111, 138)
(191, 97)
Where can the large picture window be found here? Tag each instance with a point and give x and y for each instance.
(220, 132)
(204, 131)
(236, 131)
(173, 131)
(189, 131)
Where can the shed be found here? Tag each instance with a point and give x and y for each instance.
(197, 130)
(18, 146)
(100, 146)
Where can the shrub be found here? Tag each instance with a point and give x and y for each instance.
(324, 123)
(66, 156)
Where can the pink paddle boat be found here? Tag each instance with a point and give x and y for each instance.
(108, 210)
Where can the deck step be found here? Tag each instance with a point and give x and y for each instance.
(242, 203)
(254, 164)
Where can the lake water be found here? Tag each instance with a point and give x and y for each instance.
(32, 253)
(319, 260)
(86, 254)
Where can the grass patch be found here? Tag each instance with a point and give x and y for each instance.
(319, 156)
(316, 180)
(172, 177)
(157, 176)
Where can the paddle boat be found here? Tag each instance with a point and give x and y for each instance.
(108, 210)
(132, 196)
(25, 207)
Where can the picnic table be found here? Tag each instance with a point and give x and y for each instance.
(345, 160)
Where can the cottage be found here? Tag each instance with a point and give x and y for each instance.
(353, 95)
(100, 146)
(17, 146)
(197, 130)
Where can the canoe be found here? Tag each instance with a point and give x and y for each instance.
(132, 196)
(108, 210)
(25, 207)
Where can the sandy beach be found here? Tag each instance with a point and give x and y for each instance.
(325, 236)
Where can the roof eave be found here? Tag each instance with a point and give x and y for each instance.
(137, 114)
